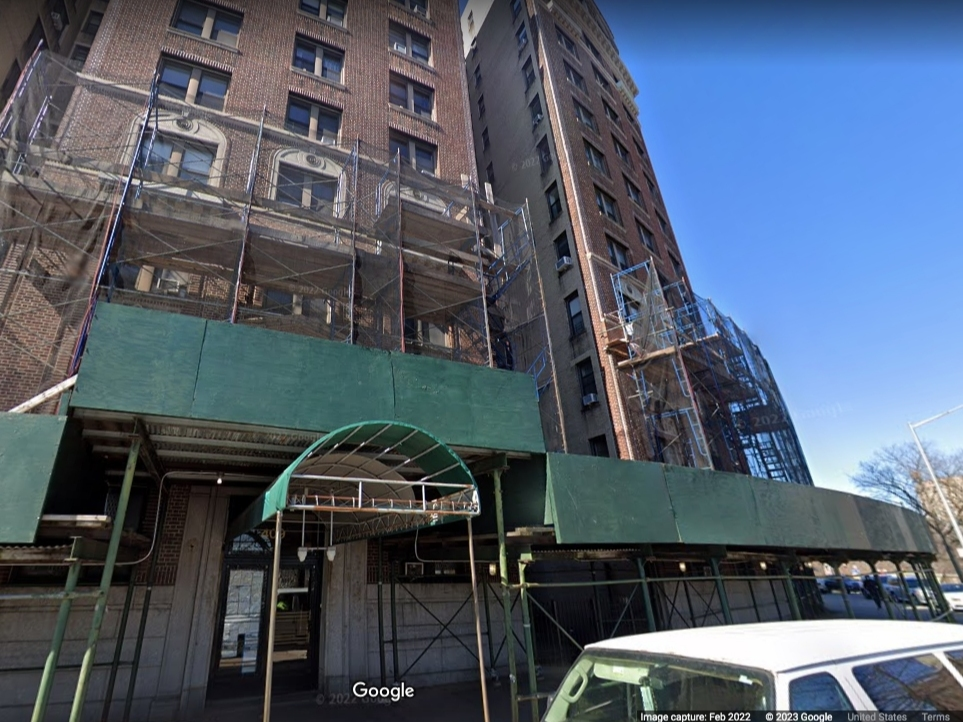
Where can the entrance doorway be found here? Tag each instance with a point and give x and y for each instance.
(239, 657)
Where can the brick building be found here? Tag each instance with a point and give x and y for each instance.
(647, 369)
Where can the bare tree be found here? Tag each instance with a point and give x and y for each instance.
(897, 474)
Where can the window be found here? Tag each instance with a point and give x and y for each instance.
(618, 254)
(622, 152)
(318, 60)
(565, 41)
(535, 111)
(544, 154)
(208, 22)
(651, 184)
(516, 8)
(639, 149)
(611, 114)
(490, 172)
(634, 193)
(676, 266)
(817, 692)
(471, 28)
(595, 158)
(910, 684)
(645, 235)
(663, 224)
(331, 11)
(585, 117)
(529, 71)
(561, 247)
(598, 446)
(486, 141)
(554, 202)
(420, 155)
(586, 377)
(80, 53)
(521, 36)
(92, 25)
(601, 80)
(591, 47)
(481, 106)
(477, 75)
(175, 156)
(574, 78)
(58, 15)
(409, 42)
(176, 82)
(416, 6)
(411, 96)
(607, 206)
(317, 122)
(576, 323)
(308, 190)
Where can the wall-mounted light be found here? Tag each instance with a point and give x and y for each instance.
(762, 565)
(220, 479)
(681, 566)
(493, 570)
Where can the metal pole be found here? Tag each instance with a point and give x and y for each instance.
(911, 599)
(142, 626)
(598, 603)
(506, 592)
(50, 667)
(842, 590)
(246, 214)
(882, 593)
(529, 641)
(488, 626)
(381, 613)
(394, 626)
(646, 598)
(941, 599)
(721, 590)
(354, 243)
(752, 596)
(936, 483)
(478, 634)
(100, 608)
(118, 647)
(927, 598)
(401, 259)
(775, 598)
(272, 620)
(791, 592)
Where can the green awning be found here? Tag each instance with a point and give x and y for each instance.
(375, 477)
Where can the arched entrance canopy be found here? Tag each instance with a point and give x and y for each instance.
(378, 477)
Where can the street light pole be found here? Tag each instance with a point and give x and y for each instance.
(936, 482)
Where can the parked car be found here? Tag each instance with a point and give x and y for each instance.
(954, 595)
(810, 666)
(853, 585)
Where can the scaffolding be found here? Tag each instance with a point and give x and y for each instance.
(702, 394)
(112, 191)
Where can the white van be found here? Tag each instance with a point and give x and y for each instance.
(836, 665)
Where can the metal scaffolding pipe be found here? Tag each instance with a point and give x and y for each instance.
(272, 619)
(845, 593)
(506, 591)
(381, 613)
(529, 641)
(118, 647)
(100, 608)
(646, 597)
(478, 634)
(791, 592)
(721, 590)
(50, 667)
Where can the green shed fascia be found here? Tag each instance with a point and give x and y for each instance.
(597, 500)
(152, 363)
(31, 451)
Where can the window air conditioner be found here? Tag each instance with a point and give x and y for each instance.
(536, 120)
(414, 569)
(563, 264)
(589, 400)
(401, 47)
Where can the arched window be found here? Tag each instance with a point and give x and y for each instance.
(183, 148)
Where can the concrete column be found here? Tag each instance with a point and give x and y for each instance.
(193, 85)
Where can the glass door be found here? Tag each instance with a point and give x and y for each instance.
(238, 659)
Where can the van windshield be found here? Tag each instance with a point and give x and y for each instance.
(621, 687)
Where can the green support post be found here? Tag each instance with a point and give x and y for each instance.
(775, 598)
(646, 598)
(791, 592)
(721, 591)
(100, 608)
(529, 640)
(50, 666)
(842, 590)
(118, 648)
(906, 591)
(941, 599)
(488, 626)
(927, 598)
(381, 614)
(883, 593)
(752, 596)
(506, 592)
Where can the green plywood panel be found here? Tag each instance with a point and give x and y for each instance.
(918, 530)
(886, 525)
(607, 501)
(140, 361)
(29, 446)
(800, 516)
(269, 378)
(713, 507)
(468, 405)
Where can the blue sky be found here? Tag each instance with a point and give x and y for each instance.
(812, 165)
